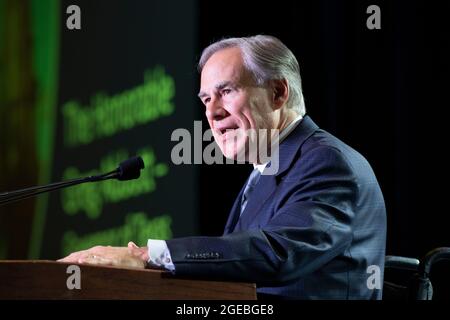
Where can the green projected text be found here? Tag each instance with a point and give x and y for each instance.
(106, 116)
(90, 197)
(137, 227)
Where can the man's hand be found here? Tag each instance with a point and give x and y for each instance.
(130, 257)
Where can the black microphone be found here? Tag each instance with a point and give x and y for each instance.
(127, 170)
(130, 169)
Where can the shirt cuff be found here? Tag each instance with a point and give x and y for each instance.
(159, 255)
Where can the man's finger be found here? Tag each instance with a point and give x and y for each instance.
(96, 260)
(73, 257)
(70, 258)
(132, 245)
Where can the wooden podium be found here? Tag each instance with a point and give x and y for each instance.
(41, 279)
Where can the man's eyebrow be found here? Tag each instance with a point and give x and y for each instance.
(202, 94)
(222, 85)
(218, 87)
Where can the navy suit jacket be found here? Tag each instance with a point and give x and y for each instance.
(310, 231)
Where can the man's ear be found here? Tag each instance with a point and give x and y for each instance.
(280, 92)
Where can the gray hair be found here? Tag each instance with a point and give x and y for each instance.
(266, 58)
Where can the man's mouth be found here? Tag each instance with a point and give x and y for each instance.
(224, 130)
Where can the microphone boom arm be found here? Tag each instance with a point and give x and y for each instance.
(127, 170)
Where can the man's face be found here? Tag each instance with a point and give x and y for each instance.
(234, 104)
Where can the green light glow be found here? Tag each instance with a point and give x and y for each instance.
(106, 116)
(46, 32)
(138, 228)
(91, 197)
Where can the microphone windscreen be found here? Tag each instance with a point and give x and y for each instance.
(130, 169)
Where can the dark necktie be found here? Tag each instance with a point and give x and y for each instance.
(251, 183)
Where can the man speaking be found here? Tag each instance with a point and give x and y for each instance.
(313, 228)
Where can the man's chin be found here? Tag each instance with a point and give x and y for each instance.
(235, 155)
(234, 150)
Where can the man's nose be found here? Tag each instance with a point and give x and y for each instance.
(215, 110)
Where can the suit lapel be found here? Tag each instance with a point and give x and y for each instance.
(267, 184)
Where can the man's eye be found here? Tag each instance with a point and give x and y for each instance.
(226, 91)
(206, 100)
